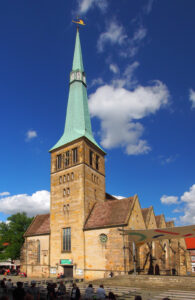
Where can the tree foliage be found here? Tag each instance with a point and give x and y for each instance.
(11, 235)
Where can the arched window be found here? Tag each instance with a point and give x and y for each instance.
(64, 178)
(72, 176)
(64, 192)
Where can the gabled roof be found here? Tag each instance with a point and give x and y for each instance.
(145, 212)
(40, 225)
(159, 219)
(170, 224)
(110, 214)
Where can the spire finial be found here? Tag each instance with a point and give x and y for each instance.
(78, 21)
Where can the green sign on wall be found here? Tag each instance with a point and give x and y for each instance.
(66, 261)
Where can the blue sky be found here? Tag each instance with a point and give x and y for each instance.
(139, 62)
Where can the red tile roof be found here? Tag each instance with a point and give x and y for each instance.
(40, 225)
(190, 243)
(110, 213)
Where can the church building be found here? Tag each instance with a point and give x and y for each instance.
(80, 236)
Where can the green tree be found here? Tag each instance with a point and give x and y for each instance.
(11, 233)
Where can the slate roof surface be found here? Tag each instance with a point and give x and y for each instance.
(110, 213)
(40, 225)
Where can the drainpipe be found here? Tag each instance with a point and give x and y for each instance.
(124, 252)
(134, 259)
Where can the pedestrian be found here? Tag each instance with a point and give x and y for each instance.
(34, 291)
(165, 299)
(51, 293)
(19, 293)
(100, 293)
(111, 296)
(9, 284)
(3, 285)
(138, 298)
(61, 289)
(89, 292)
(75, 293)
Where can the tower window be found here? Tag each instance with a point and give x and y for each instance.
(64, 178)
(74, 155)
(79, 75)
(97, 162)
(67, 158)
(68, 177)
(72, 176)
(59, 161)
(68, 191)
(64, 192)
(90, 157)
(60, 179)
(66, 239)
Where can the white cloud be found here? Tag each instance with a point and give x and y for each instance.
(135, 42)
(189, 197)
(192, 97)
(37, 203)
(85, 5)
(95, 82)
(169, 199)
(118, 197)
(31, 134)
(114, 68)
(119, 108)
(139, 34)
(114, 34)
(4, 194)
(148, 8)
(167, 160)
(177, 210)
(189, 206)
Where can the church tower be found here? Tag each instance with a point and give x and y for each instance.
(77, 176)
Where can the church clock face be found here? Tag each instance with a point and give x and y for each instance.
(103, 238)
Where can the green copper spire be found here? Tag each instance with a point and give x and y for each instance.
(78, 123)
(77, 60)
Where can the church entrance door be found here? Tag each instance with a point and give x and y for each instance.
(68, 271)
